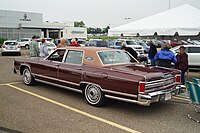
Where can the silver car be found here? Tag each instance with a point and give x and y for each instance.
(10, 47)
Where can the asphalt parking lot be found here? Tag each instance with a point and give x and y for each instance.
(44, 108)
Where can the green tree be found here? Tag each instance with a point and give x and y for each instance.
(79, 24)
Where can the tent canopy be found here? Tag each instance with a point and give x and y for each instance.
(184, 20)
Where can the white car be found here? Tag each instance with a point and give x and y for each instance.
(193, 52)
(50, 45)
(133, 44)
(10, 46)
(24, 42)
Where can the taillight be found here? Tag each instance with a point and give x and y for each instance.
(142, 87)
(18, 46)
(3, 46)
(178, 78)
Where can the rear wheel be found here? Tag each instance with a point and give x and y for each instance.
(27, 77)
(94, 95)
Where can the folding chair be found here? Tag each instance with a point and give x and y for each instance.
(196, 80)
(194, 92)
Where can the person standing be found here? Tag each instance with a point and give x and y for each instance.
(34, 49)
(152, 52)
(130, 50)
(62, 43)
(43, 49)
(74, 43)
(182, 63)
(165, 57)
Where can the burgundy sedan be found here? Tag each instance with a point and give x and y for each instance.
(101, 73)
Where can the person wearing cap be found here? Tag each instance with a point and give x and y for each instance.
(182, 63)
(165, 56)
(34, 49)
(74, 43)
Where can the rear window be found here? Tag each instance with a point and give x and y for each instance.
(102, 44)
(10, 43)
(131, 43)
(194, 50)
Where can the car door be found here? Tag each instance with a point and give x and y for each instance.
(193, 55)
(47, 69)
(70, 72)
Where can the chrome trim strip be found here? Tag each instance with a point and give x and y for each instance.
(160, 88)
(142, 102)
(61, 86)
(120, 93)
(159, 80)
(121, 99)
(68, 82)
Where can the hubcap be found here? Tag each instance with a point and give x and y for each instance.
(27, 76)
(93, 94)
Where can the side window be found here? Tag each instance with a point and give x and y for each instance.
(74, 57)
(57, 55)
(194, 50)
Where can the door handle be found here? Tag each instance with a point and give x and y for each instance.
(78, 68)
(104, 76)
(56, 65)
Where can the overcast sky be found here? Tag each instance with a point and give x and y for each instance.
(95, 13)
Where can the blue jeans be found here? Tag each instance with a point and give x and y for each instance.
(182, 77)
(152, 62)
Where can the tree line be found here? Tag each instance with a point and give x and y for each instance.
(91, 30)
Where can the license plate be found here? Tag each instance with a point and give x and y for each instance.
(168, 96)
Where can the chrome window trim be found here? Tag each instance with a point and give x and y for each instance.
(73, 63)
(62, 86)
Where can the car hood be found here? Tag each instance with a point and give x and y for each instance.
(148, 72)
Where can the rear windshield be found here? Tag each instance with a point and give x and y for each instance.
(10, 43)
(102, 44)
(131, 43)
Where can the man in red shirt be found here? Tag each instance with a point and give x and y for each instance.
(74, 43)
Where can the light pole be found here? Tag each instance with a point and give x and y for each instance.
(127, 19)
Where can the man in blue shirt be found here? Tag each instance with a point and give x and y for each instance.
(164, 57)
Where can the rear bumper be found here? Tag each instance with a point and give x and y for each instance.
(18, 50)
(147, 99)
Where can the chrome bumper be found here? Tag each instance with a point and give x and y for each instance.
(147, 99)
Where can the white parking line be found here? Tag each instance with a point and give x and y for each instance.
(76, 110)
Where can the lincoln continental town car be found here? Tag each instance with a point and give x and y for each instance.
(101, 73)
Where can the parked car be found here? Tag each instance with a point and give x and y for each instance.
(10, 46)
(24, 42)
(82, 42)
(97, 43)
(179, 43)
(193, 52)
(50, 45)
(133, 44)
(116, 44)
(144, 45)
(101, 73)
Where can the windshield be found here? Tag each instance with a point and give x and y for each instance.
(118, 43)
(102, 44)
(131, 43)
(10, 43)
(82, 42)
(115, 57)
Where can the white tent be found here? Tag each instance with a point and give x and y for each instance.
(185, 20)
